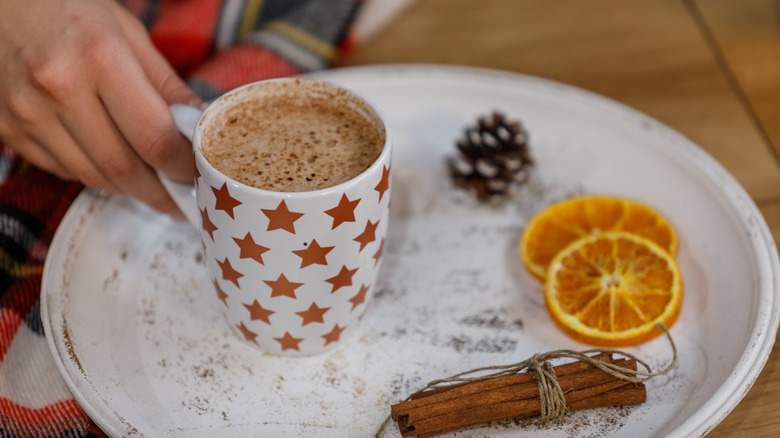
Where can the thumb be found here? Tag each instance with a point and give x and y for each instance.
(159, 72)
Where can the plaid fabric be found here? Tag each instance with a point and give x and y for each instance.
(34, 401)
(240, 41)
(215, 45)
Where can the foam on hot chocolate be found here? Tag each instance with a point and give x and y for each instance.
(292, 142)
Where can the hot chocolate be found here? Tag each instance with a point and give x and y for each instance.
(292, 142)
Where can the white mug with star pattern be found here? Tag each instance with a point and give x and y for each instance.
(292, 272)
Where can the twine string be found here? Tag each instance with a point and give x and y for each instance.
(551, 396)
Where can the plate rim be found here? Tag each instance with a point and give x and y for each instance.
(767, 311)
(762, 241)
(83, 207)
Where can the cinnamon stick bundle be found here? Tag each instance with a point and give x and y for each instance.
(445, 409)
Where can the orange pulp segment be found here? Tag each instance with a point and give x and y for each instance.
(564, 222)
(613, 288)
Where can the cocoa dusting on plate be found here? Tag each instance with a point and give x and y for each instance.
(69, 343)
(491, 319)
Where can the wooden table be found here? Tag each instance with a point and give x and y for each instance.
(708, 68)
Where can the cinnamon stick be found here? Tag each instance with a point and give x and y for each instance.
(598, 396)
(478, 402)
(530, 390)
(463, 389)
(622, 394)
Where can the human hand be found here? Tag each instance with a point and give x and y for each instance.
(85, 95)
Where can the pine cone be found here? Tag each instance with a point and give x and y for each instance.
(494, 158)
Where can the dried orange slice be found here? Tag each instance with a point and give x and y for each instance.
(612, 289)
(564, 222)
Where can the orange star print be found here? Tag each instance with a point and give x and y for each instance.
(248, 334)
(225, 202)
(343, 278)
(384, 183)
(333, 335)
(344, 212)
(208, 226)
(367, 236)
(283, 287)
(360, 298)
(378, 254)
(220, 293)
(282, 218)
(313, 254)
(228, 273)
(288, 342)
(250, 249)
(313, 314)
(258, 312)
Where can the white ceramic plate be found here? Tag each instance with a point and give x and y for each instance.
(126, 305)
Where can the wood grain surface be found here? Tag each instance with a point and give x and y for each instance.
(708, 68)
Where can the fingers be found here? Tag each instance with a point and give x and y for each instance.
(91, 102)
(34, 153)
(145, 121)
(157, 69)
(137, 92)
(112, 161)
(58, 122)
(19, 117)
(162, 76)
(69, 128)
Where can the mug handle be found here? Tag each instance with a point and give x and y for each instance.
(183, 194)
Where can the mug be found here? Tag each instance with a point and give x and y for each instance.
(292, 272)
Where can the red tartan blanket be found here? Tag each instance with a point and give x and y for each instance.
(215, 45)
